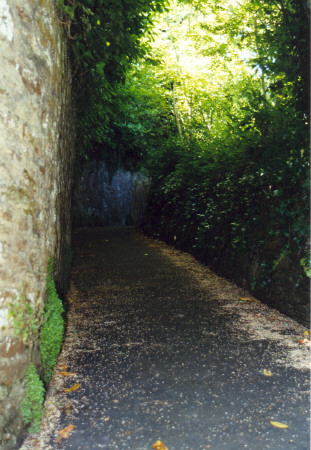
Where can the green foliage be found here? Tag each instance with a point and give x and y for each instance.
(236, 183)
(32, 405)
(104, 39)
(306, 264)
(53, 327)
(24, 320)
(216, 112)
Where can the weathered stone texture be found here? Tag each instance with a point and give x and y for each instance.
(102, 199)
(35, 179)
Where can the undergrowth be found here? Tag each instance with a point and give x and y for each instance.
(32, 405)
(53, 327)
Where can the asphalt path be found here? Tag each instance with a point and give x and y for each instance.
(158, 355)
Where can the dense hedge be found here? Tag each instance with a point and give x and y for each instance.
(247, 205)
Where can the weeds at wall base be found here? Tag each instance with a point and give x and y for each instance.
(32, 406)
(53, 327)
(51, 338)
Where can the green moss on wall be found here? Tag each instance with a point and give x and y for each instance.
(53, 328)
(24, 319)
(32, 405)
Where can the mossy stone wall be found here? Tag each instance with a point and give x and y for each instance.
(37, 143)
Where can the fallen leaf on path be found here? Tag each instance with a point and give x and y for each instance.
(158, 445)
(247, 299)
(68, 408)
(273, 318)
(145, 254)
(267, 373)
(73, 388)
(64, 434)
(278, 424)
(62, 366)
(67, 374)
(306, 333)
(106, 419)
(305, 341)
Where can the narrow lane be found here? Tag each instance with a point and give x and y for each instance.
(164, 349)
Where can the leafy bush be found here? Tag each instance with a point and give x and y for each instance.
(32, 405)
(232, 182)
(53, 327)
(104, 39)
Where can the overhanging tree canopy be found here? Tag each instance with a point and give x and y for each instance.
(214, 104)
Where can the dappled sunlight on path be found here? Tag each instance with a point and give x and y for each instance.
(160, 348)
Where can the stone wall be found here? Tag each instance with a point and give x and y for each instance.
(36, 141)
(286, 288)
(103, 199)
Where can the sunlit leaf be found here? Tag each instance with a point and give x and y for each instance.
(267, 373)
(158, 445)
(73, 388)
(278, 424)
(306, 333)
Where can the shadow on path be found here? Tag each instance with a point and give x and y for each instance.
(158, 355)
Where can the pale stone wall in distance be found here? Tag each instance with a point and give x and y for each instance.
(104, 199)
(36, 144)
